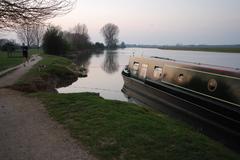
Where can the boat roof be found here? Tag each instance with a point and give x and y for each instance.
(201, 65)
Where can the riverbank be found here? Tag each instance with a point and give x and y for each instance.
(225, 50)
(119, 130)
(113, 129)
(50, 73)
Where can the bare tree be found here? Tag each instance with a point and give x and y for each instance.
(38, 31)
(80, 37)
(80, 29)
(25, 34)
(110, 33)
(15, 12)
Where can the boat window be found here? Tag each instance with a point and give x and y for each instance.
(143, 72)
(180, 78)
(212, 85)
(135, 66)
(157, 73)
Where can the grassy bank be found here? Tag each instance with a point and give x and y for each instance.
(8, 62)
(227, 50)
(123, 131)
(49, 73)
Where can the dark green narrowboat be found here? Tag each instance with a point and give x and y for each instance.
(207, 92)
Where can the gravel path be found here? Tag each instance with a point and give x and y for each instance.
(26, 130)
(11, 78)
(28, 133)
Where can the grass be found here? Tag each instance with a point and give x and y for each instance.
(14, 60)
(50, 65)
(114, 130)
(226, 50)
(8, 62)
(51, 72)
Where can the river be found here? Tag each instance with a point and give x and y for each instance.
(104, 68)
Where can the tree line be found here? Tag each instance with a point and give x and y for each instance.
(26, 18)
(14, 13)
(55, 41)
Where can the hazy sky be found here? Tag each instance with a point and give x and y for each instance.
(160, 21)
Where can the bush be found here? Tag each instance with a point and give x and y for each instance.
(99, 45)
(53, 41)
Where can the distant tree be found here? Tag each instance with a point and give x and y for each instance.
(38, 31)
(53, 41)
(21, 12)
(9, 47)
(99, 45)
(122, 45)
(30, 34)
(68, 37)
(25, 34)
(81, 29)
(80, 37)
(2, 42)
(110, 33)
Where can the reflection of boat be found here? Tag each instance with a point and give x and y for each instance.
(210, 94)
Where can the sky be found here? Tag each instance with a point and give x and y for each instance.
(159, 22)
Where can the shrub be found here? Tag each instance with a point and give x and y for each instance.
(53, 41)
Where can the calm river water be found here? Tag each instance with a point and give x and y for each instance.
(104, 68)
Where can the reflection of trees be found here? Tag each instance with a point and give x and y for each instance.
(82, 58)
(111, 64)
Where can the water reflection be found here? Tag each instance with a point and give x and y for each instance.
(104, 68)
(110, 64)
(82, 58)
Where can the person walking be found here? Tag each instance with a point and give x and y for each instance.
(25, 53)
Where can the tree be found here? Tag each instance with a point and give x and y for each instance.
(122, 45)
(19, 12)
(80, 37)
(38, 31)
(110, 33)
(81, 29)
(2, 42)
(53, 41)
(9, 47)
(30, 34)
(25, 34)
(99, 45)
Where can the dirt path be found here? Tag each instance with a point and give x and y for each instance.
(11, 78)
(27, 132)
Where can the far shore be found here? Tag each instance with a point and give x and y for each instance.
(225, 50)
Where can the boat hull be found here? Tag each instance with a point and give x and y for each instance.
(208, 116)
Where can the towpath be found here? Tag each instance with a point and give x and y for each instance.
(26, 130)
(10, 76)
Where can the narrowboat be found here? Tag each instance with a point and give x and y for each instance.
(208, 93)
